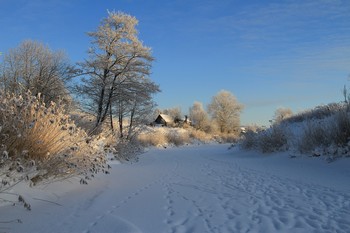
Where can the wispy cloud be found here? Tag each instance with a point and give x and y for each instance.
(286, 101)
(289, 22)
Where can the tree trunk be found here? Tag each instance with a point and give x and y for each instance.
(120, 114)
(109, 100)
(111, 119)
(99, 117)
(132, 114)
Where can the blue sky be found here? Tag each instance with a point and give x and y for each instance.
(269, 54)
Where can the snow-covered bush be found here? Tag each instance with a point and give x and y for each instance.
(126, 149)
(162, 136)
(323, 136)
(227, 137)
(270, 140)
(250, 140)
(273, 139)
(341, 128)
(319, 112)
(153, 137)
(199, 135)
(324, 130)
(314, 135)
(178, 137)
(83, 120)
(39, 142)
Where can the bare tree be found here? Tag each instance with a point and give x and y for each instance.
(225, 111)
(116, 56)
(282, 114)
(199, 117)
(33, 66)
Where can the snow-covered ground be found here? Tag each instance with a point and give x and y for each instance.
(205, 188)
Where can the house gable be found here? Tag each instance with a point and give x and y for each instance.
(164, 120)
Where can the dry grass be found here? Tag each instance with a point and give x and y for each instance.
(200, 135)
(153, 137)
(163, 136)
(83, 120)
(178, 137)
(181, 136)
(44, 137)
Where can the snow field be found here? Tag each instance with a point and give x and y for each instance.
(200, 189)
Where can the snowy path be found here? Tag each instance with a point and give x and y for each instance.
(197, 189)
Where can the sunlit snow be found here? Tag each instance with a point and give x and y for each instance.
(206, 188)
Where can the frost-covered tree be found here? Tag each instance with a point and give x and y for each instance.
(174, 112)
(225, 111)
(35, 67)
(199, 117)
(116, 56)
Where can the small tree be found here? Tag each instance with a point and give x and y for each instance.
(225, 111)
(199, 116)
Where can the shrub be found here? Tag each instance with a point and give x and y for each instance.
(152, 137)
(341, 128)
(40, 142)
(126, 149)
(228, 137)
(83, 120)
(324, 130)
(178, 137)
(199, 135)
(250, 140)
(315, 134)
(326, 135)
(273, 139)
(319, 112)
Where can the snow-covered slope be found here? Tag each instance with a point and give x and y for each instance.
(200, 189)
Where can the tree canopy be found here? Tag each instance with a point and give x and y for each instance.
(35, 67)
(116, 81)
(225, 111)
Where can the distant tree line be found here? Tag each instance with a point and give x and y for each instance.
(222, 114)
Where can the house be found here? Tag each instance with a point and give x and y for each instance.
(164, 120)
